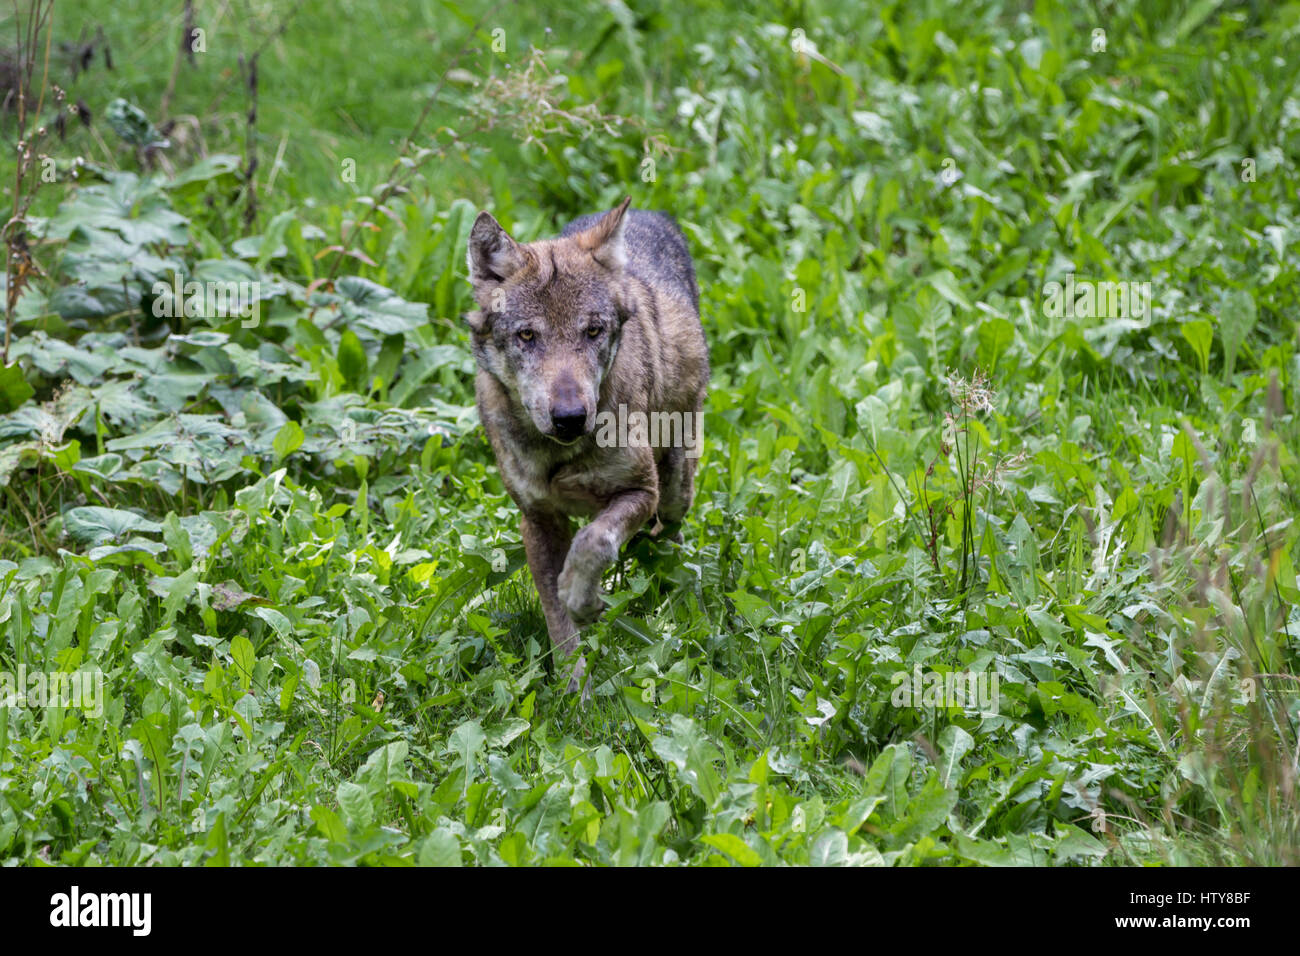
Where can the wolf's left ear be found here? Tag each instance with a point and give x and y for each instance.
(493, 256)
(605, 241)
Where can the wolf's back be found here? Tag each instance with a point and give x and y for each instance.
(656, 251)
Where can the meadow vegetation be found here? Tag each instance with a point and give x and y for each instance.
(282, 544)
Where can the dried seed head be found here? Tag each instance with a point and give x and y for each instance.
(973, 396)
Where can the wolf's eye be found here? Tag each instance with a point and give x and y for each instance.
(526, 335)
(593, 331)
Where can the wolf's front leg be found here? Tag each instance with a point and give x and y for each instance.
(596, 547)
(546, 542)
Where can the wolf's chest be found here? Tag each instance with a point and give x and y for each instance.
(578, 487)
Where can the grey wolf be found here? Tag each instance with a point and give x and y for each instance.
(570, 332)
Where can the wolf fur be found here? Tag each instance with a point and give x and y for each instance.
(606, 315)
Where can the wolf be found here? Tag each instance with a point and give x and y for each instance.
(569, 331)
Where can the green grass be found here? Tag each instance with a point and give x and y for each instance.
(314, 95)
(287, 550)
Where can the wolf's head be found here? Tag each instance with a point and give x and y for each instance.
(551, 313)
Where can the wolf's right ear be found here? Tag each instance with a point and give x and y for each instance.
(493, 256)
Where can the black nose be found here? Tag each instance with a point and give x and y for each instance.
(569, 421)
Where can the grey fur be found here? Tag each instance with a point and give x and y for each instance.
(656, 250)
(604, 317)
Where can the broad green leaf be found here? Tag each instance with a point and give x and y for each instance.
(1237, 317)
(14, 389)
(355, 801)
(734, 847)
(288, 440)
(440, 848)
(244, 658)
(686, 748)
(352, 361)
(93, 524)
(1200, 335)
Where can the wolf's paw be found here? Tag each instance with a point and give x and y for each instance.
(581, 599)
(591, 553)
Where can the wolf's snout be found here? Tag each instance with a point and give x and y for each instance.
(569, 421)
